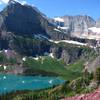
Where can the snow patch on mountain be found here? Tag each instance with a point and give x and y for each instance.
(94, 29)
(59, 19)
(65, 41)
(64, 28)
(22, 2)
(70, 42)
(51, 55)
(36, 58)
(57, 29)
(5, 67)
(24, 58)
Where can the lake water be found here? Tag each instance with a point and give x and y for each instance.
(9, 82)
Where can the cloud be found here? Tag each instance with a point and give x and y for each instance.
(23, 2)
(0, 2)
(6, 1)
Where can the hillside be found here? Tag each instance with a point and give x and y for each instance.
(92, 96)
(67, 47)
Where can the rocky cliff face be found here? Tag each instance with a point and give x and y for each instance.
(70, 53)
(22, 20)
(25, 20)
(98, 23)
(93, 65)
(76, 24)
(27, 31)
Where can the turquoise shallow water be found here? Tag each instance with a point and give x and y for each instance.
(9, 82)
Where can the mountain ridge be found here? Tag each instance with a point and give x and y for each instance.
(18, 23)
(33, 44)
(74, 26)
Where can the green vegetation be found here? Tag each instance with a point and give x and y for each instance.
(48, 64)
(97, 75)
(29, 46)
(8, 62)
(72, 88)
(76, 82)
(4, 60)
(86, 51)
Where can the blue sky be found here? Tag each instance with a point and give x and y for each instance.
(53, 8)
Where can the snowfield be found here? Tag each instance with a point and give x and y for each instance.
(94, 29)
(36, 58)
(59, 19)
(51, 55)
(66, 41)
(57, 30)
(70, 42)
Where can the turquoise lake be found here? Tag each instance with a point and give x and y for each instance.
(9, 82)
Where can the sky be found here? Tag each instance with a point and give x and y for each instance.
(54, 8)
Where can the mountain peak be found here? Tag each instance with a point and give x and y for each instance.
(17, 2)
(12, 1)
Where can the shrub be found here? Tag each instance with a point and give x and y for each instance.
(97, 75)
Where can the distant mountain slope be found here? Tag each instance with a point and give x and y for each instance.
(77, 24)
(98, 23)
(22, 19)
(26, 30)
(27, 20)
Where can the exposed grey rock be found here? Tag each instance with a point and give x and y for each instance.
(65, 56)
(22, 20)
(93, 65)
(98, 23)
(20, 23)
(1, 21)
(77, 25)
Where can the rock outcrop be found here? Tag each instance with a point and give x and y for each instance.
(20, 25)
(76, 25)
(93, 65)
(22, 19)
(98, 23)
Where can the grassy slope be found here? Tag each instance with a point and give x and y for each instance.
(69, 72)
(47, 64)
(53, 65)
